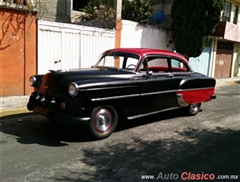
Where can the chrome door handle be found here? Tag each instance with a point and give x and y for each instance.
(170, 74)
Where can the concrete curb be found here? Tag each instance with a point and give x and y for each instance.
(220, 83)
(14, 112)
(233, 83)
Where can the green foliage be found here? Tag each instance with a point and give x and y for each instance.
(140, 11)
(192, 23)
(103, 11)
(100, 12)
(90, 13)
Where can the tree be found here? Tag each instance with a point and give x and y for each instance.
(192, 23)
(140, 11)
(102, 11)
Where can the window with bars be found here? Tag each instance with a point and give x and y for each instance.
(226, 11)
(235, 15)
(77, 4)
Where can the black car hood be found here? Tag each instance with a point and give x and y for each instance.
(89, 75)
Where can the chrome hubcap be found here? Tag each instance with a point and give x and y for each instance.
(194, 108)
(103, 120)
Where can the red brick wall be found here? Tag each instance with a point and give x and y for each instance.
(18, 51)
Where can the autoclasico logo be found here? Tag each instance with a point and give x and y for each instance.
(199, 176)
(190, 176)
(186, 176)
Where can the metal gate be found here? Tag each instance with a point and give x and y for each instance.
(223, 60)
(66, 46)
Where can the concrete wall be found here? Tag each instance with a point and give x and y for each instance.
(57, 10)
(134, 35)
(18, 52)
(60, 11)
(231, 32)
(236, 60)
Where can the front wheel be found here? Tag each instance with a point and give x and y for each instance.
(193, 109)
(103, 122)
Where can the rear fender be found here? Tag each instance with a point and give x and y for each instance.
(196, 90)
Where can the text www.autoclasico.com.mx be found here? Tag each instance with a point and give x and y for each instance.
(188, 176)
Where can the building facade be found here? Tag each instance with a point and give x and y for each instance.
(220, 59)
(18, 40)
(226, 42)
(18, 49)
(65, 11)
(221, 56)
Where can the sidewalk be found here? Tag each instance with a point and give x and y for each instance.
(227, 81)
(15, 105)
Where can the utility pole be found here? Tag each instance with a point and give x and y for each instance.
(118, 9)
(118, 15)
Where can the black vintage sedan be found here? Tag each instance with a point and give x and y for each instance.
(126, 82)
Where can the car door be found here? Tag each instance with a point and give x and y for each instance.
(157, 85)
(179, 70)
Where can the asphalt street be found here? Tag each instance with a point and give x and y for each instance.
(168, 146)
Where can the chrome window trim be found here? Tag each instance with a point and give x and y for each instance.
(125, 52)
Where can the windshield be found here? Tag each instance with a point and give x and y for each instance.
(119, 60)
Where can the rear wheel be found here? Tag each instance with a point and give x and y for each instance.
(193, 109)
(103, 122)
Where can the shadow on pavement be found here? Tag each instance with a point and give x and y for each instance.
(34, 128)
(213, 151)
(197, 151)
(128, 124)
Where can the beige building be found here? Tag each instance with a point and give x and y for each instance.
(226, 42)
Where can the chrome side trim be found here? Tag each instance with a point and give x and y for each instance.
(115, 97)
(106, 88)
(181, 101)
(156, 93)
(132, 95)
(151, 113)
(194, 89)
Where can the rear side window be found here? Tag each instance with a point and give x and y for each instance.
(155, 64)
(179, 66)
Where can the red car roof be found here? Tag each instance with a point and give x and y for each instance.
(145, 51)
